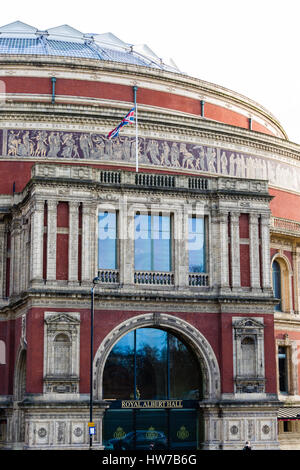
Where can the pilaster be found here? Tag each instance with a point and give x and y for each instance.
(235, 249)
(265, 250)
(51, 239)
(37, 231)
(254, 251)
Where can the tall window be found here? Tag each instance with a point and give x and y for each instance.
(276, 273)
(196, 244)
(107, 240)
(283, 369)
(152, 242)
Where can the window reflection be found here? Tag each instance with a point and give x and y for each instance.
(118, 380)
(149, 363)
(107, 240)
(152, 246)
(196, 244)
(151, 349)
(276, 272)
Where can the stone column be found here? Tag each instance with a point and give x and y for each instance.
(265, 251)
(2, 259)
(23, 259)
(15, 257)
(86, 272)
(37, 232)
(224, 267)
(179, 234)
(235, 249)
(73, 240)
(254, 251)
(126, 242)
(51, 239)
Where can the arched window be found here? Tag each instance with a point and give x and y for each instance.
(276, 274)
(149, 363)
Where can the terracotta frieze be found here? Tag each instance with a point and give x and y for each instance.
(167, 154)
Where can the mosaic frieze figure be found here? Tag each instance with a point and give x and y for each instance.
(151, 151)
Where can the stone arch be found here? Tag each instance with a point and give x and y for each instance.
(286, 273)
(198, 343)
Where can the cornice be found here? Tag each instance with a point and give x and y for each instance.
(162, 121)
(201, 87)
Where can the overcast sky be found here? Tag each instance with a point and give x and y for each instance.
(249, 47)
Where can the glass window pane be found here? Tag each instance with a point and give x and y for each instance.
(184, 371)
(196, 244)
(165, 368)
(151, 351)
(118, 376)
(142, 245)
(277, 283)
(283, 369)
(152, 242)
(107, 240)
(161, 260)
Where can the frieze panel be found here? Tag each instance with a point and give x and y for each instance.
(45, 144)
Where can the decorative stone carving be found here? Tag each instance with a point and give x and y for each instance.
(248, 337)
(61, 352)
(49, 144)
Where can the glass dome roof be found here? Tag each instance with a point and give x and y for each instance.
(64, 41)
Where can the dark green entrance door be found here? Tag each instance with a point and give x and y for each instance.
(138, 429)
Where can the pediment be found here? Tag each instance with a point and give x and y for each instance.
(248, 323)
(62, 318)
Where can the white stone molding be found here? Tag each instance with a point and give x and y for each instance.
(199, 344)
(63, 377)
(254, 251)
(2, 352)
(265, 250)
(86, 245)
(51, 239)
(36, 248)
(235, 250)
(286, 272)
(292, 365)
(248, 354)
(3, 250)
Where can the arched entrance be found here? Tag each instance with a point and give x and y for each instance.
(154, 374)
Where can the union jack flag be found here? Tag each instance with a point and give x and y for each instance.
(128, 119)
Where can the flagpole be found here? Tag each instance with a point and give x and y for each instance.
(135, 88)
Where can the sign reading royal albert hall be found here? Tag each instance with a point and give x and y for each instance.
(59, 145)
(152, 404)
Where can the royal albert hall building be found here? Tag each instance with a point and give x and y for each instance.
(183, 269)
